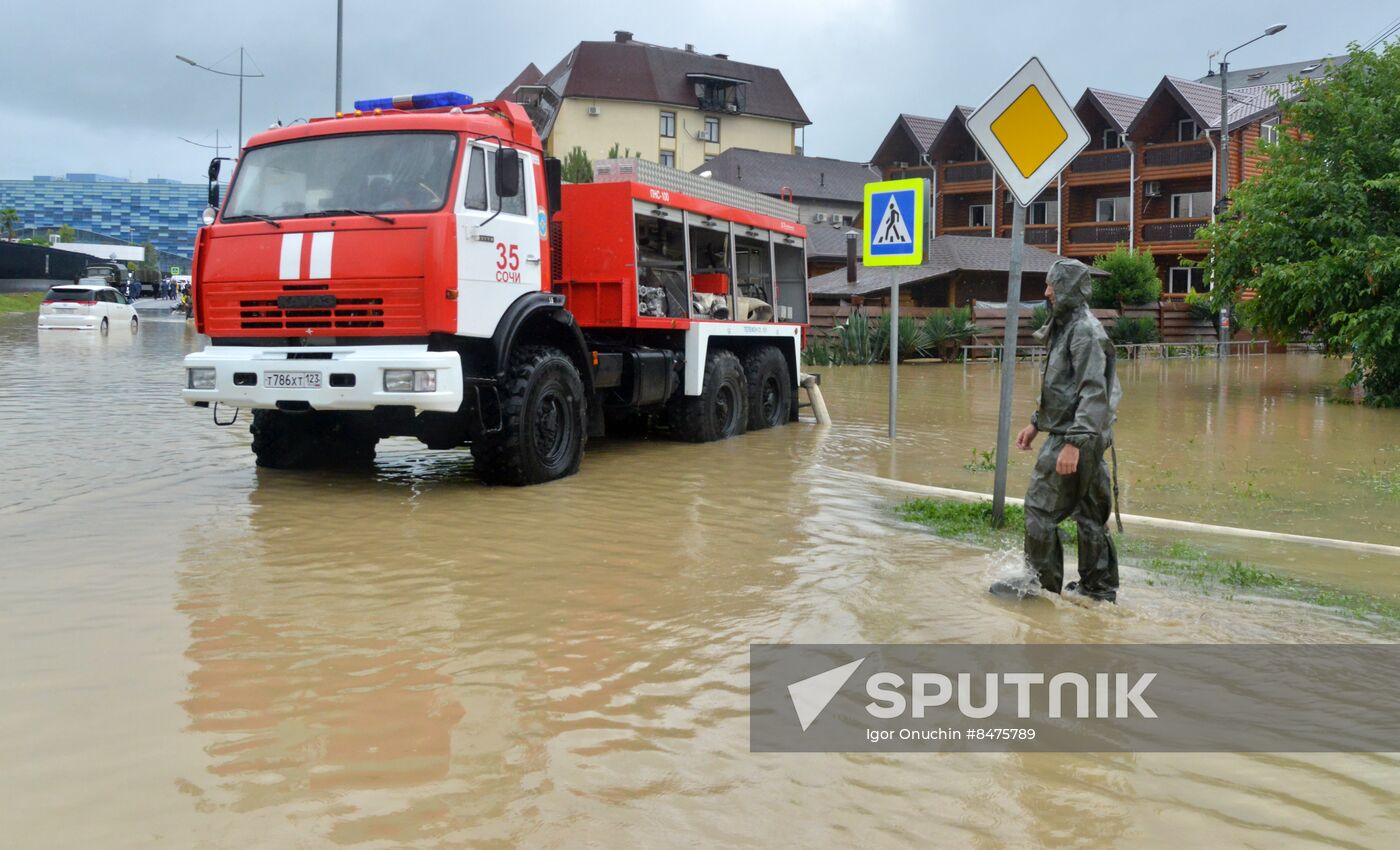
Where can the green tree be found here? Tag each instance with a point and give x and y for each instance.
(613, 152)
(1316, 234)
(1132, 279)
(9, 219)
(67, 234)
(577, 168)
(152, 261)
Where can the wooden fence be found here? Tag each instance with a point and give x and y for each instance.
(1174, 319)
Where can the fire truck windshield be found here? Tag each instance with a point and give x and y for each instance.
(370, 172)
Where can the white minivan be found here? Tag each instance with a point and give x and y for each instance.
(88, 305)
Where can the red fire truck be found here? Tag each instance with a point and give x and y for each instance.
(417, 268)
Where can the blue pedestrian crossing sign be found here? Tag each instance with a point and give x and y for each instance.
(894, 222)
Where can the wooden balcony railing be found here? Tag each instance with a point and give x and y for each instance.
(1099, 233)
(1176, 153)
(967, 172)
(1036, 234)
(1109, 160)
(967, 231)
(1172, 229)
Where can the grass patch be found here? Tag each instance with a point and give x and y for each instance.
(1383, 481)
(983, 461)
(1183, 563)
(20, 302)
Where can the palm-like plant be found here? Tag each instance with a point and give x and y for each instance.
(9, 219)
(943, 332)
(913, 342)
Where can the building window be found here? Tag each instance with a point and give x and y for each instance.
(1186, 130)
(668, 125)
(1111, 209)
(848, 220)
(718, 94)
(979, 215)
(1184, 279)
(668, 159)
(1112, 139)
(1268, 131)
(711, 131)
(1191, 205)
(1043, 212)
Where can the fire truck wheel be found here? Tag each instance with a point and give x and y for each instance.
(721, 410)
(345, 439)
(770, 391)
(285, 440)
(544, 421)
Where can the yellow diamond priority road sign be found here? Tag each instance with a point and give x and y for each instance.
(1028, 131)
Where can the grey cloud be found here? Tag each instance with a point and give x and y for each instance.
(94, 86)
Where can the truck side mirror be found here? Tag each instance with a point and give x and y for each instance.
(214, 165)
(507, 173)
(214, 195)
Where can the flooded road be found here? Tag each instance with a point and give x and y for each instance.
(202, 654)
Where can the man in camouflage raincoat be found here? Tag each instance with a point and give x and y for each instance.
(1078, 403)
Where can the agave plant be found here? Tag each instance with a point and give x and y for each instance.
(853, 343)
(1134, 331)
(944, 331)
(913, 342)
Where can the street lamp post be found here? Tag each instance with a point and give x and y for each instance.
(1222, 203)
(241, 77)
(339, 46)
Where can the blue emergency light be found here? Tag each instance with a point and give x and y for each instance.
(434, 100)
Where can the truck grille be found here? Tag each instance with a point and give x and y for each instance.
(380, 307)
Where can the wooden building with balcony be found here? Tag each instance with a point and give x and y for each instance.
(1150, 177)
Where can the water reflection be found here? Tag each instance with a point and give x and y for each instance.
(201, 653)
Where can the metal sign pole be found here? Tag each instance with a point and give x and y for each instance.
(1008, 360)
(894, 353)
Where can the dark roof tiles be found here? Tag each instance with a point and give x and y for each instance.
(806, 176)
(634, 70)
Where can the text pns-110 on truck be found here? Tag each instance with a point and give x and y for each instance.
(417, 269)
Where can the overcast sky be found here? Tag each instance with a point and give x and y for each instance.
(94, 86)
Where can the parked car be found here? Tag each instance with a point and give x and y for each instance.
(88, 305)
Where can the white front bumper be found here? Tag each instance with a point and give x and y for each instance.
(366, 363)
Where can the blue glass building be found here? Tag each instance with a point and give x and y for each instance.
(162, 212)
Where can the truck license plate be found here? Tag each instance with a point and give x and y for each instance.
(292, 380)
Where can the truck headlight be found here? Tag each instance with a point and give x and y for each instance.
(410, 380)
(199, 379)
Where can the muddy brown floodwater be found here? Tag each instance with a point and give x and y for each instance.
(200, 654)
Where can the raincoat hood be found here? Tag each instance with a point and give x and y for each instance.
(1071, 283)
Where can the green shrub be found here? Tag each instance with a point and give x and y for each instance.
(1134, 331)
(1132, 279)
(1039, 317)
(945, 330)
(853, 343)
(911, 338)
(577, 167)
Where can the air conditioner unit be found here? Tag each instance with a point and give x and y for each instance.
(819, 217)
(595, 110)
(1152, 189)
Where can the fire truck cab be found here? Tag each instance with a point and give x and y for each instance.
(417, 268)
